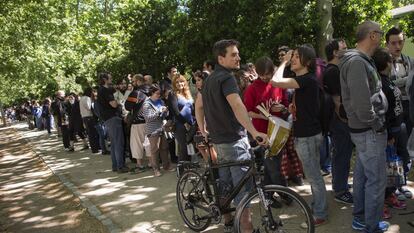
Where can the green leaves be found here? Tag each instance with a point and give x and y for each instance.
(47, 45)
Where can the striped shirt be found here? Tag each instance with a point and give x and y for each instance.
(153, 116)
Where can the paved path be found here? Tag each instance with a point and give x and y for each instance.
(144, 203)
(32, 198)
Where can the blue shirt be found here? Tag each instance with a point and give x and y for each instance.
(186, 109)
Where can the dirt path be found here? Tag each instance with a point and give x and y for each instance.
(32, 199)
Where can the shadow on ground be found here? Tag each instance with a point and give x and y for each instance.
(144, 203)
(32, 199)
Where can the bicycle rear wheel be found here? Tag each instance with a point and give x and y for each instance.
(192, 201)
(288, 209)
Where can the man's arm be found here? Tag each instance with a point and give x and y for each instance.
(361, 94)
(242, 116)
(257, 115)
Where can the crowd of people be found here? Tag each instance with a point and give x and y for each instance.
(357, 100)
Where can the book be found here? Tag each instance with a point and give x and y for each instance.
(278, 131)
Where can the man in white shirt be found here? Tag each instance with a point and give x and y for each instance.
(89, 121)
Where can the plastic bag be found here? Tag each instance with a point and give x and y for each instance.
(146, 144)
(190, 149)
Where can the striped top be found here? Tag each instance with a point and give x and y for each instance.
(151, 111)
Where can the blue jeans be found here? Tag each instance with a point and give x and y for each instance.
(230, 176)
(100, 128)
(307, 149)
(341, 159)
(369, 178)
(116, 134)
(48, 123)
(325, 153)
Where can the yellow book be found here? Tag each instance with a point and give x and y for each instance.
(278, 131)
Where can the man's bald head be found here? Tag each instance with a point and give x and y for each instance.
(60, 94)
(365, 28)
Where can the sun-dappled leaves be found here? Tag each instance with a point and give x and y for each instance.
(48, 45)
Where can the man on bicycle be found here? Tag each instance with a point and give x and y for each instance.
(227, 120)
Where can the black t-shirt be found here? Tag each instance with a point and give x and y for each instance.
(394, 115)
(106, 95)
(331, 82)
(307, 122)
(220, 119)
(332, 85)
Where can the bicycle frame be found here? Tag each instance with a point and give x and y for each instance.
(224, 204)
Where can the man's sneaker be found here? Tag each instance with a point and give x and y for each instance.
(383, 225)
(317, 221)
(359, 225)
(393, 202)
(345, 198)
(123, 170)
(407, 193)
(228, 227)
(106, 152)
(325, 172)
(400, 195)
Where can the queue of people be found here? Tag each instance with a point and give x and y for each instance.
(358, 100)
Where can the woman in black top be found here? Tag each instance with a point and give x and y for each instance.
(305, 109)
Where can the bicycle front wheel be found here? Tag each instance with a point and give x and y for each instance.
(288, 212)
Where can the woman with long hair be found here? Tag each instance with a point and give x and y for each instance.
(307, 130)
(182, 109)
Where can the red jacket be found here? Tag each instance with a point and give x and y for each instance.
(259, 92)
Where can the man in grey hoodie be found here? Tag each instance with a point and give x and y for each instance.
(365, 105)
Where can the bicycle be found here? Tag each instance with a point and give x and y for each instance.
(273, 208)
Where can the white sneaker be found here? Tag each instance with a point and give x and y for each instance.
(400, 195)
(407, 193)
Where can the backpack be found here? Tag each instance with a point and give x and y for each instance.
(320, 70)
(133, 104)
(326, 110)
(326, 103)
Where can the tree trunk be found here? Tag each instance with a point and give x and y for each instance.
(325, 26)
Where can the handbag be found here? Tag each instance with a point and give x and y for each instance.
(169, 126)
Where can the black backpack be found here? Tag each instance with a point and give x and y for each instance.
(133, 104)
(326, 103)
(326, 110)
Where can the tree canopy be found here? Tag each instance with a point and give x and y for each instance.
(48, 45)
